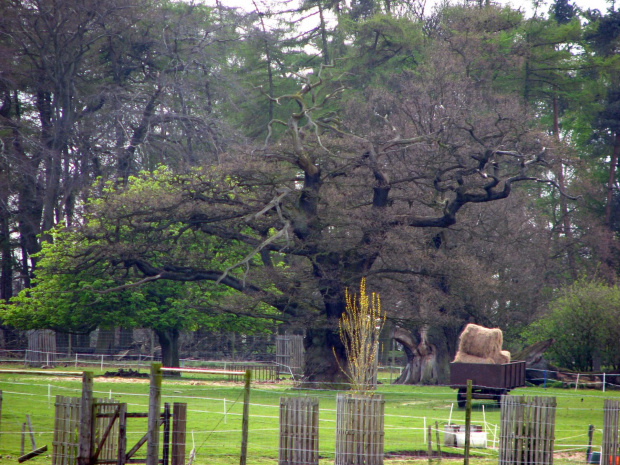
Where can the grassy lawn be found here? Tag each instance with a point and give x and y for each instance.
(215, 407)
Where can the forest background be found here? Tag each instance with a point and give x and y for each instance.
(178, 166)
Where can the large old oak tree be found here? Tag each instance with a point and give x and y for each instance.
(331, 200)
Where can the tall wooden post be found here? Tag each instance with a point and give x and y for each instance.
(438, 441)
(152, 444)
(0, 406)
(87, 423)
(166, 448)
(32, 441)
(429, 441)
(122, 435)
(179, 428)
(245, 419)
(467, 423)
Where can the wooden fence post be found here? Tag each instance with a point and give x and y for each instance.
(0, 407)
(438, 440)
(179, 428)
(122, 435)
(152, 444)
(166, 446)
(429, 440)
(32, 441)
(611, 415)
(86, 419)
(467, 423)
(245, 420)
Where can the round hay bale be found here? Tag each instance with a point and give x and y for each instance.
(480, 341)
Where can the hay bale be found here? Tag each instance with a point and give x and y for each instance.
(504, 357)
(481, 342)
(466, 358)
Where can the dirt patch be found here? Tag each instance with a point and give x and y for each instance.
(122, 373)
(578, 456)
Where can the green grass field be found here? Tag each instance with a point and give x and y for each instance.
(215, 407)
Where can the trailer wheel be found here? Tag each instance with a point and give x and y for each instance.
(461, 398)
(498, 396)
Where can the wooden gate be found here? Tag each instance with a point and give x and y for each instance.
(299, 431)
(109, 433)
(106, 432)
(67, 419)
(527, 430)
(41, 347)
(359, 429)
(290, 353)
(115, 452)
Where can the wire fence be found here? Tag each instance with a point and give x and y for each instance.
(417, 421)
(542, 377)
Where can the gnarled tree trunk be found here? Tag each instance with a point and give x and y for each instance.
(428, 356)
(325, 357)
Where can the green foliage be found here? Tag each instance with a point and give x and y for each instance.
(584, 322)
(66, 299)
(383, 46)
(71, 295)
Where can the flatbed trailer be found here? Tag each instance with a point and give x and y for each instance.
(489, 381)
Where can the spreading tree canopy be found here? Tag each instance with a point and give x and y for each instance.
(341, 196)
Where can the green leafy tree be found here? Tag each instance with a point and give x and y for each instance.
(103, 89)
(552, 84)
(583, 321)
(77, 299)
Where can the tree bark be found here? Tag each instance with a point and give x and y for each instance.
(325, 359)
(566, 225)
(169, 342)
(6, 251)
(428, 356)
(611, 182)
